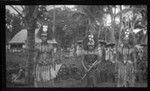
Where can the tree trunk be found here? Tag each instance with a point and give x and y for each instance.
(31, 20)
(30, 51)
(120, 25)
(113, 24)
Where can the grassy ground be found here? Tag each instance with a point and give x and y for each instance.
(13, 59)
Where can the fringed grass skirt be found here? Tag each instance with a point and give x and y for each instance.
(43, 76)
(125, 75)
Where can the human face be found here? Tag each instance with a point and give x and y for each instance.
(43, 38)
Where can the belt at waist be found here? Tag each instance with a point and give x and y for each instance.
(44, 64)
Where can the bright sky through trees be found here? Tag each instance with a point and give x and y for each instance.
(106, 18)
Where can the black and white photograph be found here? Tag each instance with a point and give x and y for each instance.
(52, 46)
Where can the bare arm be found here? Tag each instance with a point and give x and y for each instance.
(36, 53)
(84, 65)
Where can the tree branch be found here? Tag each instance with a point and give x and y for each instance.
(126, 10)
(35, 12)
(22, 7)
(23, 18)
(17, 11)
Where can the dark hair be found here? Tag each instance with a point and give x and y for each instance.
(58, 61)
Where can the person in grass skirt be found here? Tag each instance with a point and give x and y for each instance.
(126, 66)
(110, 58)
(44, 63)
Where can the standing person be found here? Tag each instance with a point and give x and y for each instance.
(44, 63)
(126, 67)
(91, 55)
(120, 66)
(131, 63)
(111, 59)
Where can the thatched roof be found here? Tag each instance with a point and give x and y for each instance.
(21, 37)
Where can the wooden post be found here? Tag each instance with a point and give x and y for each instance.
(54, 20)
(53, 39)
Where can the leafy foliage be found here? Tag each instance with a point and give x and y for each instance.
(70, 26)
(13, 24)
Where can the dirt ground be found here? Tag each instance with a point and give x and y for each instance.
(20, 58)
(78, 84)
